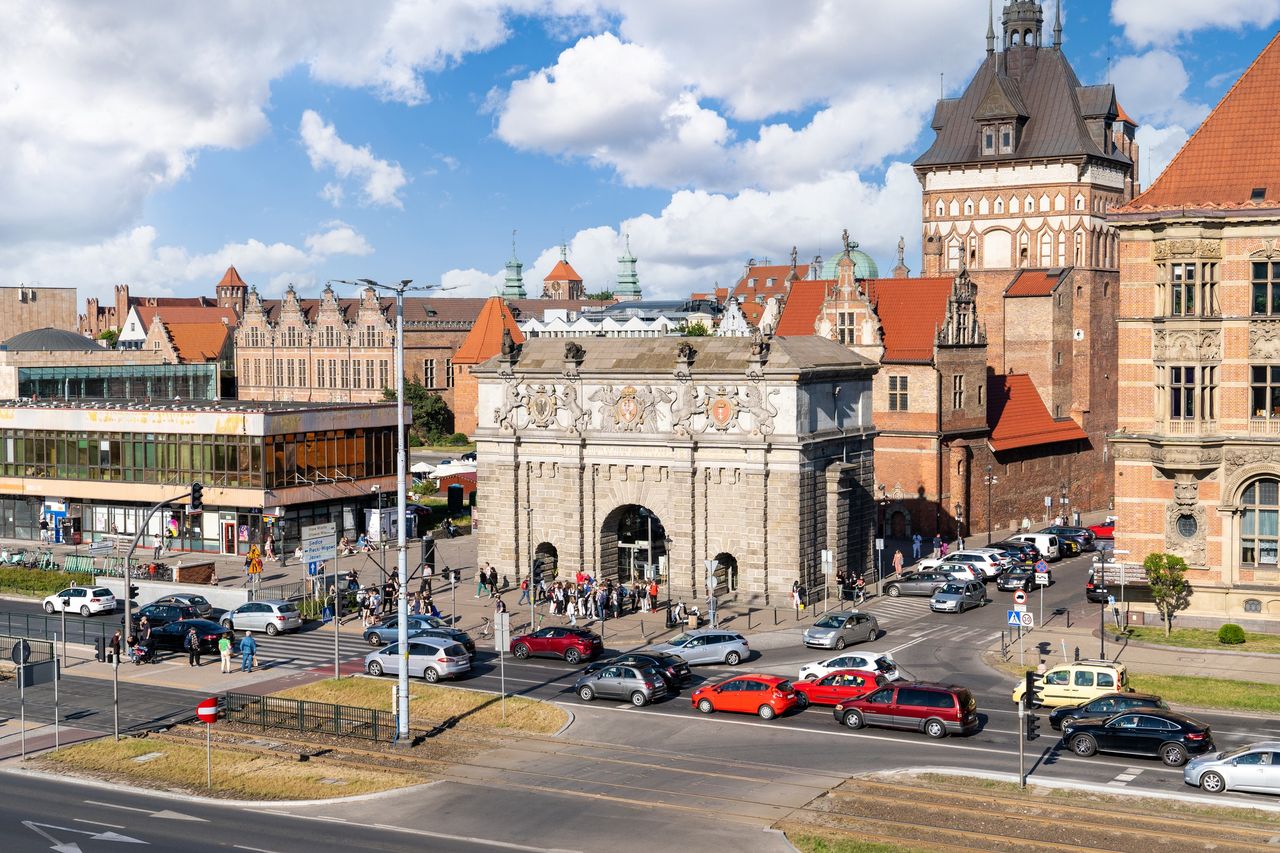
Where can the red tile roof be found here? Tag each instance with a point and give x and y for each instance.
(231, 278)
(563, 272)
(1017, 416)
(752, 311)
(1121, 115)
(1236, 149)
(485, 338)
(1033, 283)
(911, 310)
(185, 314)
(800, 312)
(198, 342)
(761, 276)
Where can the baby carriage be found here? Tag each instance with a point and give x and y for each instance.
(141, 652)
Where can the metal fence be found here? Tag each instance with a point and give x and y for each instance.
(41, 650)
(273, 712)
(281, 592)
(78, 630)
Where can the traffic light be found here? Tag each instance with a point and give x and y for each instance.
(197, 497)
(537, 572)
(429, 553)
(1034, 691)
(1033, 725)
(133, 591)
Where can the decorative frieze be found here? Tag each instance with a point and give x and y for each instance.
(1187, 248)
(1186, 345)
(1264, 340)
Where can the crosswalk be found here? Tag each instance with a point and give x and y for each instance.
(306, 651)
(897, 609)
(953, 635)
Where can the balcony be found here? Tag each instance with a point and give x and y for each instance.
(1264, 426)
(1189, 427)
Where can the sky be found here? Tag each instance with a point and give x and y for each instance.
(155, 143)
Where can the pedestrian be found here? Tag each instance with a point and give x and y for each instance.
(192, 644)
(499, 606)
(860, 590)
(482, 581)
(897, 562)
(271, 546)
(248, 652)
(937, 543)
(213, 576)
(653, 594)
(159, 546)
(915, 546)
(524, 591)
(942, 549)
(493, 582)
(795, 594)
(44, 530)
(224, 652)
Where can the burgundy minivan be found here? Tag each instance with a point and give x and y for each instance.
(935, 709)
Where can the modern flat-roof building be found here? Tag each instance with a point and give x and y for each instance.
(265, 467)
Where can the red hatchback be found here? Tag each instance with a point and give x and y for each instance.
(766, 695)
(836, 687)
(572, 644)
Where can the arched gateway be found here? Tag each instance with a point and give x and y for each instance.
(624, 455)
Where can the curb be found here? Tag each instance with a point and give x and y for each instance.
(1139, 644)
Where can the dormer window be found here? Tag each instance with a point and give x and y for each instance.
(1006, 139)
(989, 139)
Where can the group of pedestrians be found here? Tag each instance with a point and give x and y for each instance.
(585, 598)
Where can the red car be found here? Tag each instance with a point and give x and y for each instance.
(572, 644)
(836, 687)
(1106, 530)
(766, 695)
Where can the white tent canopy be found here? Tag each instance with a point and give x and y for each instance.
(421, 468)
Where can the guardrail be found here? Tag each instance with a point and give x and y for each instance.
(41, 650)
(273, 712)
(83, 631)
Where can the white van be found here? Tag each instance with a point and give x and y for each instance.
(1046, 543)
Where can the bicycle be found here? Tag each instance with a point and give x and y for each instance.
(486, 627)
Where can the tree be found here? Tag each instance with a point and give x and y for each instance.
(697, 329)
(432, 417)
(1170, 589)
(601, 296)
(110, 336)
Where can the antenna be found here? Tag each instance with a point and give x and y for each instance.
(942, 90)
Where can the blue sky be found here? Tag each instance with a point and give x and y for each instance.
(155, 145)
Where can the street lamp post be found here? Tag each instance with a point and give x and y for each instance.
(990, 480)
(959, 521)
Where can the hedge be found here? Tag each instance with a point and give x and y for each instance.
(17, 579)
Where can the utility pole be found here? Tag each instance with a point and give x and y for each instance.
(990, 480)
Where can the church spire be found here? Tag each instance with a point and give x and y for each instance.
(628, 288)
(991, 28)
(513, 285)
(1057, 27)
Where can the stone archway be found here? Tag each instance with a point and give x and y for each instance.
(726, 571)
(549, 557)
(632, 539)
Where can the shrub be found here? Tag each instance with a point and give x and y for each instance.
(414, 441)
(458, 439)
(40, 580)
(1230, 635)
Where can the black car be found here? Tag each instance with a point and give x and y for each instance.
(1019, 577)
(1105, 705)
(172, 634)
(1153, 732)
(161, 614)
(1081, 536)
(673, 669)
(1023, 552)
(184, 599)
(1095, 589)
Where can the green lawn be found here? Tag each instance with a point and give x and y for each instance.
(812, 840)
(1204, 638)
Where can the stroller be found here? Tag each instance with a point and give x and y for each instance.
(142, 652)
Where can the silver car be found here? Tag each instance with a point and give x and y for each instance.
(270, 616)
(957, 597)
(1250, 768)
(837, 630)
(709, 645)
(638, 685)
(429, 658)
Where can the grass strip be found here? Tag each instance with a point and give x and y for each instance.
(815, 840)
(1203, 638)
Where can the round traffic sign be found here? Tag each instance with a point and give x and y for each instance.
(21, 653)
(1020, 597)
(207, 710)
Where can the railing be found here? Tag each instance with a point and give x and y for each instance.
(1264, 426)
(273, 712)
(1190, 427)
(83, 631)
(140, 571)
(41, 650)
(282, 592)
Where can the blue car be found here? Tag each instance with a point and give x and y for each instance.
(387, 630)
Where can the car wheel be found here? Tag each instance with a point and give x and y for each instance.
(521, 651)
(705, 706)
(226, 623)
(840, 644)
(893, 592)
(431, 675)
(586, 694)
(1083, 746)
(272, 630)
(639, 699)
(733, 659)
(1213, 783)
(935, 729)
(373, 640)
(1174, 755)
(852, 719)
(572, 655)
(375, 668)
(84, 610)
(802, 700)
(766, 712)
(48, 607)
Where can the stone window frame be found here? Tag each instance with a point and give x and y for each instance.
(957, 391)
(1252, 605)
(899, 397)
(1252, 500)
(1267, 284)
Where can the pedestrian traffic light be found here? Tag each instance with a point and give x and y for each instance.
(133, 591)
(197, 498)
(537, 571)
(429, 552)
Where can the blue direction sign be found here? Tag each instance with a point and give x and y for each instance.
(1013, 617)
(313, 568)
(1042, 566)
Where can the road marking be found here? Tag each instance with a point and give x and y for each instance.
(254, 849)
(164, 814)
(1127, 776)
(98, 823)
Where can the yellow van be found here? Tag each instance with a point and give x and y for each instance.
(1078, 681)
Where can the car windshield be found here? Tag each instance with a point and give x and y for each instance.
(288, 607)
(681, 639)
(829, 622)
(953, 589)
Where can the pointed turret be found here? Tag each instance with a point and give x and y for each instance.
(513, 285)
(991, 27)
(1057, 26)
(628, 289)
(563, 282)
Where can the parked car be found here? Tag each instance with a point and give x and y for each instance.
(1253, 768)
(1095, 589)
(430, 658)
(469, 456)
(1019, 552)
(172, 635)
(958, 571)
(916, 583)
(836, 687)
(638, 685)
(989, 560)
(1168, 735)
(1046, 544)
(1077, 681)
(958, 597)
(387, 630)
(1104, 706)
(709, 645)
(673, 668)
(274, 617)
(85, 600)
(162, 614)
(1106, 530)
(865, 661)
(572, 644)
(184, 599)
(766, 695)
(1019, 577)
(1080, 535)
(837, 630)
(935, 709)
(968, 558)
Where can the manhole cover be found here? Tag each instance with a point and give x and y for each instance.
(150, 756)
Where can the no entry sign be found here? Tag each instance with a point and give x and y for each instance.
(207, 710)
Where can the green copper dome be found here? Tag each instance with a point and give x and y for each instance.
(864, 266)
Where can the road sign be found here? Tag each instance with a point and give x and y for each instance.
(1042, 579)
(1048, 501)
(1020, 608)
(1020, 596)
(21, 653)
(207, 710)
(313, 568)
(320, 542)
(828, 561)
(879, 544)
(1041, 566)
(501, 631)
(1013, 617)
(1028, 619)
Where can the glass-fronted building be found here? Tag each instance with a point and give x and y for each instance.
(121, 382)
(95, 468)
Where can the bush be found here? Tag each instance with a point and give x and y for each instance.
(1230, 635)
(414, 441)
(459, 439)
(40, 580)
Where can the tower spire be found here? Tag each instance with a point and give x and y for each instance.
(991, 27)
(1057, 26)
(513, 284)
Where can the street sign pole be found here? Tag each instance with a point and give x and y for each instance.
(501, 640)
(337, 621)
(207, 712)
(115, 693)
(56, 665)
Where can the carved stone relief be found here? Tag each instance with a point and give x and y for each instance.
(1236, 458)
(1187, 248)
(542, 404)
(1191, 549)
(1187, 345)
(1264, 340)
(627, 409)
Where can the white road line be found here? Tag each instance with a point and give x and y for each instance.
(115, 806)
(98, 823)
(254, 849)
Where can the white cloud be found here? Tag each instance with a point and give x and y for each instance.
(1154, 93)
(333, 193)
(1148, 22)
(339, 239)
(1158, 145)
(472, 282)
(381, 180)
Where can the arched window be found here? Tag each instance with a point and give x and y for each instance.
(1252, 605)
(1260, 523)
(999, 205)
(1029, 206)
(1046, 249)
(968, 207)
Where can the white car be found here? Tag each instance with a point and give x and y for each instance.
(957, 570)
(85, 600)
(880, 662)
